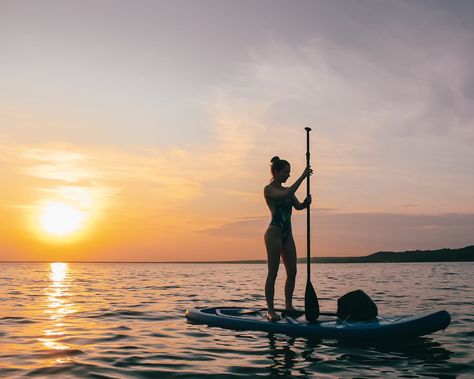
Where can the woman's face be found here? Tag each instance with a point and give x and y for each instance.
(284, 174)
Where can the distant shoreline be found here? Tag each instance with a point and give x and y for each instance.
(465, 254)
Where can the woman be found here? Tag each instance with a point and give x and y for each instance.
(278, 237)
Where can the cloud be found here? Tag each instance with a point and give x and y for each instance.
(57, 165)
(385, 95)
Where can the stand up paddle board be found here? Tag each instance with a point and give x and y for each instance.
(326, 327)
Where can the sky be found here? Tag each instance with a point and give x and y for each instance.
(143, 130)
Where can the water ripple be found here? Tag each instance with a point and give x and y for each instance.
(16, 320)
(126, 321)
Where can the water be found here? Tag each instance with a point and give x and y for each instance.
(127, 321)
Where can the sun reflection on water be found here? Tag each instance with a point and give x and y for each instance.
(57, 307)
(58, 271)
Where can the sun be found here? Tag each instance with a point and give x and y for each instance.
(60, 219)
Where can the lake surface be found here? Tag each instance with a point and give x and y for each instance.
(122, 320)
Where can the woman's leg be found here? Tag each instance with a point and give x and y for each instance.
(273, 245)
(289, 259)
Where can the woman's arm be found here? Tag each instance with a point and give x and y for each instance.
(279, 194)
(300, 206)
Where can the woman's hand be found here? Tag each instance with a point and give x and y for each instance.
(307, 201)
(307, 172)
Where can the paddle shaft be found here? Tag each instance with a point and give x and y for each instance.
(308, 218)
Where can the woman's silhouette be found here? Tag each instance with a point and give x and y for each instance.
(278, 237)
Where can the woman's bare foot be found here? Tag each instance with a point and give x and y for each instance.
(292, 312)
(272, 316)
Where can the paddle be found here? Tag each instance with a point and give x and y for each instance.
(311, 304)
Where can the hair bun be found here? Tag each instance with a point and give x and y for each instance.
(275, 159)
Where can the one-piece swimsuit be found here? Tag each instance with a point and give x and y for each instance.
(281, 216)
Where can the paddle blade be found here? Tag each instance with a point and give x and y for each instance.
(311, 303)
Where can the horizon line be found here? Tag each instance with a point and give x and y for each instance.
(238, 261)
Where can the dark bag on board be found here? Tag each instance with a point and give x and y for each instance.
(356, 306)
